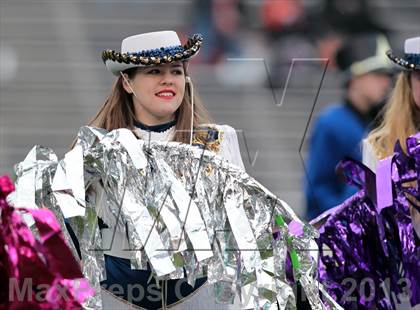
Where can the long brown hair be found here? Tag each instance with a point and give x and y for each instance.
(118, 110)
(398, 121)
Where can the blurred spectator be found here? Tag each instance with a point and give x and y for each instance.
(335, 21)
(340, 128)
(218, 21)
(351, 17)
(285, 26)
(280, 17)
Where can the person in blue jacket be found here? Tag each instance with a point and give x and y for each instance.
(340, 128)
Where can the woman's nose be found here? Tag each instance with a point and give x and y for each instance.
(167, 78)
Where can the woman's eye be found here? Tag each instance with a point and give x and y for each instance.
(154, 71)
(178, 72)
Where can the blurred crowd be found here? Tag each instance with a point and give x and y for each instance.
(290, 29)
(344, 33)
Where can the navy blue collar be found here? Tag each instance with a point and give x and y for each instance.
(155, 128)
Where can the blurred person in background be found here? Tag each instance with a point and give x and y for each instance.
(285, 27)
(340, 128)
(333, 22)
(350, 17)
(295, 30)
(219, 22)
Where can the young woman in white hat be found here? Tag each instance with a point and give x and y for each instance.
(401, 116)
(153, 96)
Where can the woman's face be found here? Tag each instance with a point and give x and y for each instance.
(159, 91)
(415, 87)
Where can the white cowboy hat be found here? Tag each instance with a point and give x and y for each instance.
(411, 59)
(152, 48)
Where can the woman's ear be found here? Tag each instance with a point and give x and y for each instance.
(125, 83)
